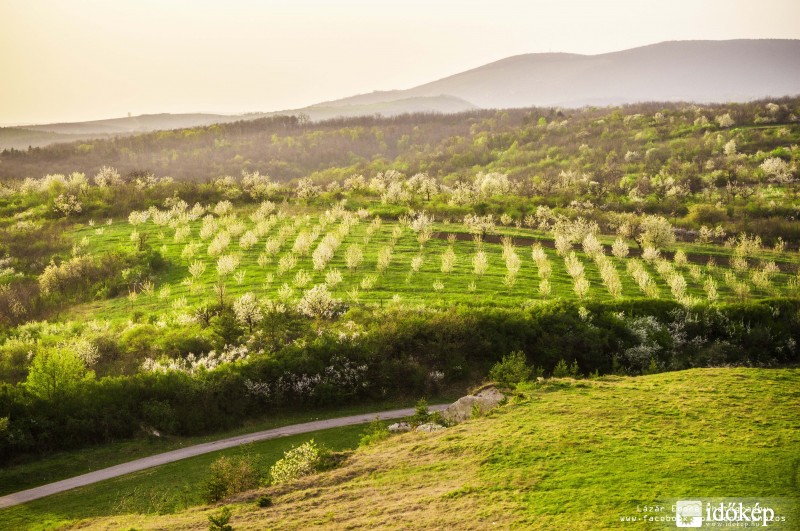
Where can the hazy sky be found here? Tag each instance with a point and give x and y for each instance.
(63, 60)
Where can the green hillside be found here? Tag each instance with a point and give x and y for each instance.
(567, 455)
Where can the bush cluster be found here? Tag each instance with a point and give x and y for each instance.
(297, 462)
(229, 476)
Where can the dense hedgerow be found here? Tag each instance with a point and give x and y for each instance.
(401, 353)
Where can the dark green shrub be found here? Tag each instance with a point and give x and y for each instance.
(264, 501)
(218, 521)
(181, 341)
(229, 476)
(421, 413)
(561, 370)
(511, 370)
(226, 328)
(14, 362)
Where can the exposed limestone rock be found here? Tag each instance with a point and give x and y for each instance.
(462, 409)
(427, 428)
(399, 427)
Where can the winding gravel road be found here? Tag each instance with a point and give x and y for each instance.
(198, 449)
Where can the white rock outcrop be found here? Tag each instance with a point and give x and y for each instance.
(399, 427)
(462, 409)
(429, 427)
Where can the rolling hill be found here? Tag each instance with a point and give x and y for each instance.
(571, 455)
(44, 135)
(701, 71)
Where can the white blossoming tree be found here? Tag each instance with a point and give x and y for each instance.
(656, 232)
(306, 189)
(66, 205)
(777, 170)
(353, 257)
(226, 264)
(248, 311)
(318, 303)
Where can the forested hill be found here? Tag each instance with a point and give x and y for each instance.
(525, 143)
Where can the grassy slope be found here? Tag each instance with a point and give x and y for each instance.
(575, 455)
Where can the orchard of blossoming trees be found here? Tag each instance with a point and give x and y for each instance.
(629, 240)
(214, 254)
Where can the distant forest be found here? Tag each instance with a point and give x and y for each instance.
(524, 143)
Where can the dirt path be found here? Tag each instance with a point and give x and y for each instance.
(198, 449)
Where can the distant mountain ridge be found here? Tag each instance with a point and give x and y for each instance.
(699, 71)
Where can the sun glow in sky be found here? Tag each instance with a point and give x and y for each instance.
(64, 60)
